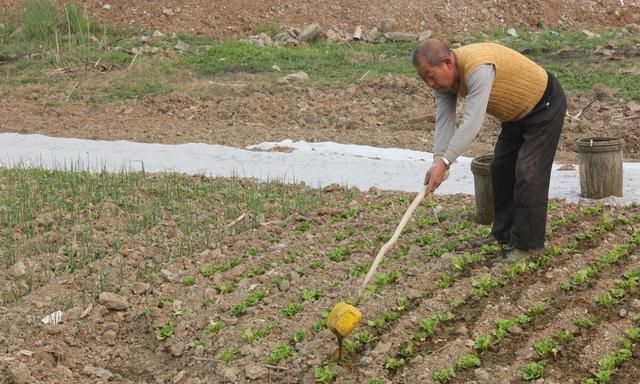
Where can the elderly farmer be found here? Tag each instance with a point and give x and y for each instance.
(531, 106)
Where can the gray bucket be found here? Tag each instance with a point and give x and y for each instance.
(600, 163)
(481, 169)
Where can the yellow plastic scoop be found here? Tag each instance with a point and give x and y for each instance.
(341, 321)
(345, 317)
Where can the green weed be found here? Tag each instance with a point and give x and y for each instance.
(249, 336)
(406, 351)
(271, 28)
(329, 62)
(363, 337)
(298, 337)
(145, 313)
(564, 336)
(445, 280)
(468, 361)
(426, 240)
(214, 326)
(41, 21)
(324, 374)
(281, 351)
(482, 343)
(606, 300)
(402, 251)
(382, 320)
(633, 334)
(584, 323)
(291, 310)
(249, 301)
(317, 264)
(503, 327)
(516, 269)
(319, 325)
(444, 375)
(402, 303)
(533, 371)
(342, 235)
(537, 308)
(163, 300)
(393, 364)
(483, 285)
(164, 332)
(225, 287)
(77, 24)
(456, 302)
(339, 254)
(546, 347)
(302, 227)
(387, 278)
(522, 320)
(360, 269)
(228, 354)
(188, 281)
(257, 271)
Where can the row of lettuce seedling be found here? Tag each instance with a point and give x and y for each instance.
(544, 347)
(480, 288)
(253, 298)
(428, 325)
(550, 347)
(282, 350)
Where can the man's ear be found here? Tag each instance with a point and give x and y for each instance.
(448, 61)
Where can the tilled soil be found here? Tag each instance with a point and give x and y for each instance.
(181, 288)
(235, 18)
(268, 288)
(390, 112)
(242, 110)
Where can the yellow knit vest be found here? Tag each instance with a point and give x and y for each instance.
(519, 82)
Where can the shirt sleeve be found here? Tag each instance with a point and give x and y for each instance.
(445, 121)
(479, 84)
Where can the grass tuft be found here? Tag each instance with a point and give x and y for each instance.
(41, 21)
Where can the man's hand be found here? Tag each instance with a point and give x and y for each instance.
(436, 174)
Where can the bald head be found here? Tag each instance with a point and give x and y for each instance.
(433, 51)
(436, 64)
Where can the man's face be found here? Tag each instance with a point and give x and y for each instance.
(440, 77)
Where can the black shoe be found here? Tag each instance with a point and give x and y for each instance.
(511, 255)
(489, 240)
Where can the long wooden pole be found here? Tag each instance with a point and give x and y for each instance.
(394, 238)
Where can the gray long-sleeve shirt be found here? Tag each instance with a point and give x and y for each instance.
(448, 141)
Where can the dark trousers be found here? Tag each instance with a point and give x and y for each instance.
(521, 169)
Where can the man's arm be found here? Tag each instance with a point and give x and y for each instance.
(445, 121)
(449, 143)
(479, 86)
